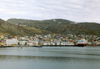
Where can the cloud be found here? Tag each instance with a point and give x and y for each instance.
(1, 10)
(75, 10)
(16, 12)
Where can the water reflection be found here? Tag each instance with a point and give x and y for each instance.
(50, 58)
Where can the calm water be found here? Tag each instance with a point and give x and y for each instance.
(50, 58)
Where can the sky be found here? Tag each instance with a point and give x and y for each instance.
(74, 10)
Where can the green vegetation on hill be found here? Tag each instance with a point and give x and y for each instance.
(52, 21)
(60, 26)
(10, 29)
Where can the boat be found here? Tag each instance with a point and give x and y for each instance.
(37, 46)
(82, 43)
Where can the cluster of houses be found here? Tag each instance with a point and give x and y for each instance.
(49, 39)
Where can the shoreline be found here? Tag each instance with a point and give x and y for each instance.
(51, 46)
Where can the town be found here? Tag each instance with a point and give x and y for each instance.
(50, 40)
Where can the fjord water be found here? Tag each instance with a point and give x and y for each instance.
(50, 58)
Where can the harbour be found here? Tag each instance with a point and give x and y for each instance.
(49, 34)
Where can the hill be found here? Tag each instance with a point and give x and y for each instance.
(52, 21)
(9, 29)
(60, 26)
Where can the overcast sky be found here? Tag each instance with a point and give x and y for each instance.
(75, 10)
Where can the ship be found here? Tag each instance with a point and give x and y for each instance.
(82, 43)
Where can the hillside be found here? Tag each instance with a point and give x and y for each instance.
(60, 26)
(52, 21)
(10, 29)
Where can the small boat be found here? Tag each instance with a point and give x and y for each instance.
(37, 46)
(94, 45)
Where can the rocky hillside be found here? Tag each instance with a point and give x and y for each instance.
(60, 26)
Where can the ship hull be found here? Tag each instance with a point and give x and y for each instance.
(81, 45)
